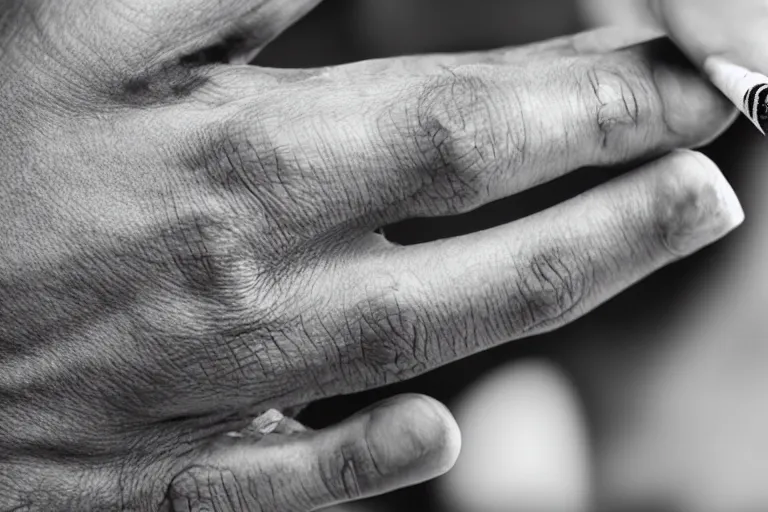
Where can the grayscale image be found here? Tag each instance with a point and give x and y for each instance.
(383, 256)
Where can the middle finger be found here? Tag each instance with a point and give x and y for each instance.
(444, 142)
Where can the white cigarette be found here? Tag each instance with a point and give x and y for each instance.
(746, 89)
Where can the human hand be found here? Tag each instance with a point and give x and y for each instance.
(189, 242)
(732, 30)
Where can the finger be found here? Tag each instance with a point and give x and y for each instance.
(196, 31)
(424, 306)
(447, 142)
(703, 28)
(602, 40)
(398, 443)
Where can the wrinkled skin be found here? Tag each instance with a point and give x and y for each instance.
(189, 242)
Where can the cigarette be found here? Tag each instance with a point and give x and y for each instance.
(746, 89)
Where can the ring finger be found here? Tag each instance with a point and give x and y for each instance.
(416, 308)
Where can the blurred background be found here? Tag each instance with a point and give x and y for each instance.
(658, 401)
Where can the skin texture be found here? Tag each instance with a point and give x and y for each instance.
(190, 242)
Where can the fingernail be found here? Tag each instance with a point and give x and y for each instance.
(415, 435)
(704, 208)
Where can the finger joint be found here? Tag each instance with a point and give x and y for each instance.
(550, 290)
(462, 137)
(613, 99)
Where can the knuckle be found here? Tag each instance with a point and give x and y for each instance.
(458, 116)
(243, 154)
(252, 157)
(207, 255)
(242, 157)
(225, 298)
(551, 289)
(612, 97)
(692, 195)
(391, 335)
(258, 349)
(352, 470)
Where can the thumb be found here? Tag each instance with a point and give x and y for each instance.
(400, 442)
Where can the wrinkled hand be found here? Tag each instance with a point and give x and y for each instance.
(189, 242)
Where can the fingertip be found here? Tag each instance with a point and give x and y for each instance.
(696, 204)
(730, 203)
(704, 170)
(416, 436)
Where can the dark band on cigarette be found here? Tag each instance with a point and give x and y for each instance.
(749, 97)
(761, 108)
(756, 105)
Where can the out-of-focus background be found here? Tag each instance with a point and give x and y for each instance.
(656, 402)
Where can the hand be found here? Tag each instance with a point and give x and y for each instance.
(189, 242)
(733, 30)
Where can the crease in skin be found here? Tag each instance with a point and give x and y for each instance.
(160, 86)
(618, 104)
